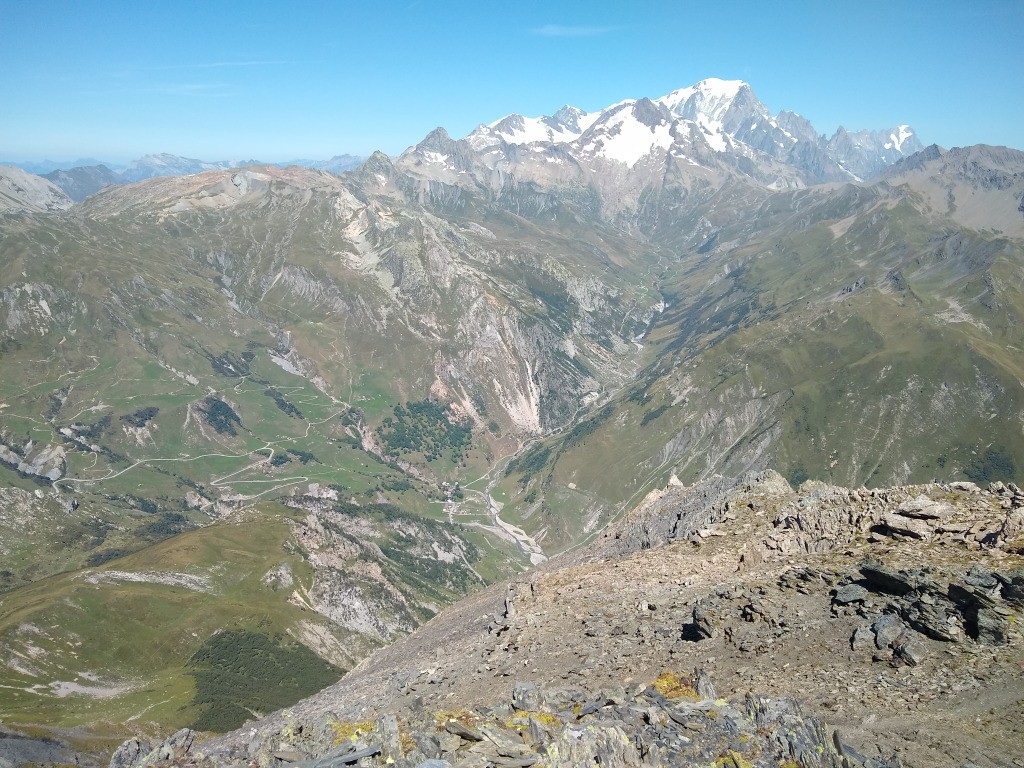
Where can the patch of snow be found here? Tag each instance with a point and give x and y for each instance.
(714, 136)
(633, 140)
(436, 157)
(902, 133)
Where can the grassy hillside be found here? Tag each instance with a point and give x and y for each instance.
(113, 642)
(136, 641)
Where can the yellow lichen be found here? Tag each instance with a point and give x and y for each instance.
(350, 730)
(464, 716)
(408, 743)
(733, 759)
(672, 686)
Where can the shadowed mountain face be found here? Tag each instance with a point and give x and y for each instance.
(80, 182)
(428, 371)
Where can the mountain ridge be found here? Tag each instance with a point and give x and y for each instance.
(724, 115)
(729, 117)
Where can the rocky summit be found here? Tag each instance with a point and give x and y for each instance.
(883, 622)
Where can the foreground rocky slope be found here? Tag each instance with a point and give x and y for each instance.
(888, 620)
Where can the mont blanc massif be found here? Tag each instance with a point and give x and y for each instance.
(670, 434)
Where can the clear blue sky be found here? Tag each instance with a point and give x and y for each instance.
(284, 80)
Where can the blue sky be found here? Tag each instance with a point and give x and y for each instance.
(277, 81)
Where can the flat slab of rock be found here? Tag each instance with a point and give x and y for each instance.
(289, 756)
(907, 526)
(910, 651)
(457, 728)
(924, 508)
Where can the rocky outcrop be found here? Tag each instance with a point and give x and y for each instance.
(17, 750)
(675, 720)
(172, 750)
(972, 606)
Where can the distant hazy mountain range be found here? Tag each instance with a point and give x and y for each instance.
(81, 178)
(718, 116)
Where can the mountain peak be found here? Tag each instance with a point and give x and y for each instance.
(567, 113)
(378, 160)
(166, 164)
(648, 113)
(436, 139)
(509, 123)
(865, 153)
(711, 95)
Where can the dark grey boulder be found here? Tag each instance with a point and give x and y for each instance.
(934, 616)
(909, 650)
(985, 618)
(888, 628)
(863, 638)
(850, 593)
(881, 578)
(701, 627)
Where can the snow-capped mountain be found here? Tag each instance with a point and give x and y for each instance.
(718, 125)
(567, 124)
(720, 108)
(865, 153)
